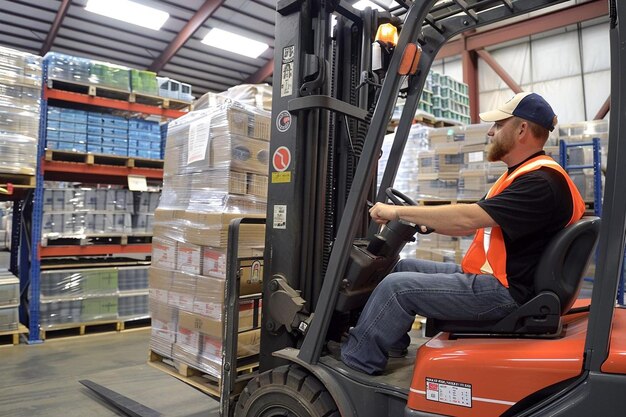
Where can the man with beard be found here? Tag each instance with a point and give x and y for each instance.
(513, 224)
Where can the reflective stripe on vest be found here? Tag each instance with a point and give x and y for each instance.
(487, 252)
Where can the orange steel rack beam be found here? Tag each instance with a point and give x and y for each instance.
(92, 250)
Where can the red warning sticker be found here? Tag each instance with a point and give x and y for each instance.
(281, 159)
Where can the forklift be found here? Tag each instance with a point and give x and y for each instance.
(335, 85)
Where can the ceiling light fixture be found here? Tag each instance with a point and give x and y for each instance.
(129, 11)
(232, 42)
(362, 4)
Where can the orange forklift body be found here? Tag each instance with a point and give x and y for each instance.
(455, 377)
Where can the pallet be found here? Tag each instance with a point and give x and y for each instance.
(98, 239)
(90, 328)
(96, 90)
(425, 118)
(99, 159)
(197, 378)
(447, 123)
(16, 179)
(53, 264)
(13, 336)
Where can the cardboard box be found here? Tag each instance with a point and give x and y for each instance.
(189, 258)
(160, 283)
(210, 326)
(257, 185)
(163, 252)
(239, 153)
(245, 123)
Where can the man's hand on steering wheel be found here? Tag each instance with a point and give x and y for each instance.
(383, 213)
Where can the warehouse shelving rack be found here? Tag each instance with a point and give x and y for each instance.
(31, 251)
(597, 187)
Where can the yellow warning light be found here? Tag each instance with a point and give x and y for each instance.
(388, 34)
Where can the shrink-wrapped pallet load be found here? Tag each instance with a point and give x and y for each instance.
(216, 166)
(20, 92)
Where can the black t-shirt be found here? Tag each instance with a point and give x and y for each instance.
(530, 211)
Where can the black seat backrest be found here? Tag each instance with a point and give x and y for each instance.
(565, 260)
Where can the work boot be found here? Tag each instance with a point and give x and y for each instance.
(397, 353)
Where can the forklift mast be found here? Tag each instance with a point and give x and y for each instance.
(330, 111)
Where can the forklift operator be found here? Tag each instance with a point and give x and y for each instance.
(513, 224)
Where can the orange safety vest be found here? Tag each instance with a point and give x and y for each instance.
(490, 241)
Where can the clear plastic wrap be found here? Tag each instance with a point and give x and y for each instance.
(87, 295)
(19, 68)
(17, 153)
(216, 164)
(9, 319)
(71, 211)
(20, 92)
(9, 290)
(88, 72)
(256, 95)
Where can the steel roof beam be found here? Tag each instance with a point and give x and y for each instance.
(264, 72)
(499, 70)
(56, 25)
(604, 109)
(549, 21)
(197, 20)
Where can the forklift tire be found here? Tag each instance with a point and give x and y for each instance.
(286, 391)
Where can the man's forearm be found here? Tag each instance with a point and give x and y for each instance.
(453, 220)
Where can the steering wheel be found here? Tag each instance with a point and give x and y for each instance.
(398, 198)
(401, 199)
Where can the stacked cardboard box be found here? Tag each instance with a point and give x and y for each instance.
(216, 164)
(20, 91)
(477, 174)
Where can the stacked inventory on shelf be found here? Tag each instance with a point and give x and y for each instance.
(216, 165)
(6, 212)
(102, 133)
(584, 132)
(82, 71)
(20, 91)
(9, 301)
(442, 98)
(76, 211)
(477, 174)
(450, 99)
(87, 295)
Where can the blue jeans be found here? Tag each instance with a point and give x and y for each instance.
(430, 289)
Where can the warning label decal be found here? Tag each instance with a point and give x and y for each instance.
(449, 392)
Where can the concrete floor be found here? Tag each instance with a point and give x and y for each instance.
(42, 380)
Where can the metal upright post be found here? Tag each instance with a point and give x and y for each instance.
(16, 226)
(37, 215)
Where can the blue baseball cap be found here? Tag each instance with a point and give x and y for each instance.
(528, 106)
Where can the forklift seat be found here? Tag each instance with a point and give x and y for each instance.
(557, 283)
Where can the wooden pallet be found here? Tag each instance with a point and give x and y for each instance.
(425, 118)
(16, 179)
(96, 90)
(93, 90)
(13, 336)
(197, 378)
(99, 159)
(97, 239)
(90, 328)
